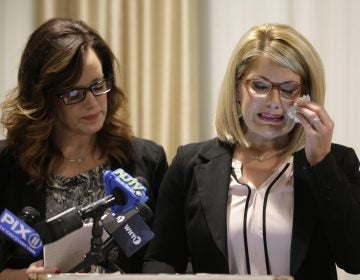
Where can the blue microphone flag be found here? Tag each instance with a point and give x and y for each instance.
(20, 232)
(135, 192)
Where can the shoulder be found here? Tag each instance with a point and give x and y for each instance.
(204, 151)
(2, 144)
(142, 143)
(7, 153)
(15, 193)
(4, 147)
(210, 147)
(147, 155)
(147, 148)
(340, 149)
(344, 153)
(202, 145)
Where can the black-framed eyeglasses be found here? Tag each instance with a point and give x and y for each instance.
(76, 95)
(287, 90)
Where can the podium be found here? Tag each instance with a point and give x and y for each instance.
(117, 276)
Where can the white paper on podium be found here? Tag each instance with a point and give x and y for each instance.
(70, 250)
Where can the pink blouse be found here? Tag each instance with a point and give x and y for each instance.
(259, 222)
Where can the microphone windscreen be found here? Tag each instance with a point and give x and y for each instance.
(144, 211)
(120, 197)
(131, 192)
(30, 215)
(142, 181)
(60, 225)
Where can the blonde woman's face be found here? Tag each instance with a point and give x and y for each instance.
(265, 115)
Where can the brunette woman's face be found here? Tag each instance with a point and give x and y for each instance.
(86, 117)
(265, 115)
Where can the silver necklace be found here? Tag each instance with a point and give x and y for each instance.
(79, 159)
(76, 160)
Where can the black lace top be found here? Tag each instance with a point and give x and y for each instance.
(78, 191)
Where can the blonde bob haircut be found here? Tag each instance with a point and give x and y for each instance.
(287, 47)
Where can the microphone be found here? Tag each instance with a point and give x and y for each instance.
(133, 188)
(123, 194)
(72, 219)
(122, 236)
(17, 230)
(129, 231)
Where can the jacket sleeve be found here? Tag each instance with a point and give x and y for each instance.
(150, 163)
(167, 252)
(337, 189)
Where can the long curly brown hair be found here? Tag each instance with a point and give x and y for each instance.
(52, 61)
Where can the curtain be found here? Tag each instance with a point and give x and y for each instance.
(156, 45)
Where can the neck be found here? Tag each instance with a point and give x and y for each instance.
(77, 151)
(261, 145)
(264, 151)
(264, 156)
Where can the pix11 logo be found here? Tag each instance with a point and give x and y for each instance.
(20, 232)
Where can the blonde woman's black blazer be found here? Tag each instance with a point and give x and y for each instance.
(190, 221)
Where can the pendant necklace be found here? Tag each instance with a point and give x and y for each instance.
(76, 160)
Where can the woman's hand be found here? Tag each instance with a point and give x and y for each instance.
(27, 273)
(38, 268)
(318, 128)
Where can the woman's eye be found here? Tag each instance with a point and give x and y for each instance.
(98, 87)
(288, 88)
(73, 93)
(260, 85)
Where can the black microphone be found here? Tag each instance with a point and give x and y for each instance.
(129, 231)
(115, 226)
(70, 220)
(30, 216)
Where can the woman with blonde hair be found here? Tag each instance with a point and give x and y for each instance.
(271, 194)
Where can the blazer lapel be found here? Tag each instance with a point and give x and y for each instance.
(213, 179)
(304, 212)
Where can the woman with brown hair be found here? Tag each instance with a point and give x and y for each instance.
(66, 123)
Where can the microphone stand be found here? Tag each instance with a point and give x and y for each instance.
(95, 256)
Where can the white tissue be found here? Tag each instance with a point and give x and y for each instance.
(292, 110)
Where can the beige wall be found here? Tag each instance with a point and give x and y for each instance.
(16, 23)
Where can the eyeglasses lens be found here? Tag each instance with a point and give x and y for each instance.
(78, 95)
(288, 90)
